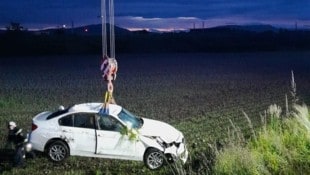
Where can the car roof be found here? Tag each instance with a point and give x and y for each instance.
(95, 108)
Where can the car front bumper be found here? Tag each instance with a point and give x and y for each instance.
(179, 152)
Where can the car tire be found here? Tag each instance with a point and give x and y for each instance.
(57, 151)
(154, 158)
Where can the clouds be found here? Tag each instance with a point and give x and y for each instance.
(155, 13)
(161, 24)
(283, 13)
(206, 9)
(49, 12)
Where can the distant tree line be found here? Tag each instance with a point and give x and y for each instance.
(63, 41)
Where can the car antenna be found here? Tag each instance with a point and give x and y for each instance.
(109, 65)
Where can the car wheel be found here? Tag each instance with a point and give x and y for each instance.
(58, 151)
(154, 158)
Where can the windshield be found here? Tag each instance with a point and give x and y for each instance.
(130, 119)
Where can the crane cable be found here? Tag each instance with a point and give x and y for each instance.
(112, 31)
(109, 65)
(104, 28)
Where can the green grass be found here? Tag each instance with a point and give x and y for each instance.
(197, 93)
(281, 147)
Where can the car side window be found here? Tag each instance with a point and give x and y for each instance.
(109, 123)
(66, 121)
(84, 120)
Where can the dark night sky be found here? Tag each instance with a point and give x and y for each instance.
(157, 14)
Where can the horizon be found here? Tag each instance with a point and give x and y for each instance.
(200, 25)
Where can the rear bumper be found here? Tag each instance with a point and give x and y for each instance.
(37, 142)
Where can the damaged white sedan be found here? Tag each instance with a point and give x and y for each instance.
(80, 130)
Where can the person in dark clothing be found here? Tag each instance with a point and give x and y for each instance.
(16, 138)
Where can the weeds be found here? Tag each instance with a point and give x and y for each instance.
(302, 116)
(293, 89)
(281, 148)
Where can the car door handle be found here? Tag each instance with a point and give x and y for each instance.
(66, 130)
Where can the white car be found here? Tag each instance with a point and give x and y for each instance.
(117, 134)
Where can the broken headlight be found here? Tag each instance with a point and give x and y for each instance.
(161, 142)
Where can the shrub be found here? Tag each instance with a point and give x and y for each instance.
(282, 147)
(239, 160)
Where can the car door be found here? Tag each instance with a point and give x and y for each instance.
(110, 141)
(79, 131)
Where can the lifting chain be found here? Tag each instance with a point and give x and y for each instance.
(109, 69)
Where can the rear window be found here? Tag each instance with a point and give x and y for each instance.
(66, 121)
(57, 113)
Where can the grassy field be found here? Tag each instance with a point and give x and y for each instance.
(197, 93)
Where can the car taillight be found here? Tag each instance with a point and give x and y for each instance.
(33, 127)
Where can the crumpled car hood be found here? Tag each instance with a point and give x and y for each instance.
(157, 128)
